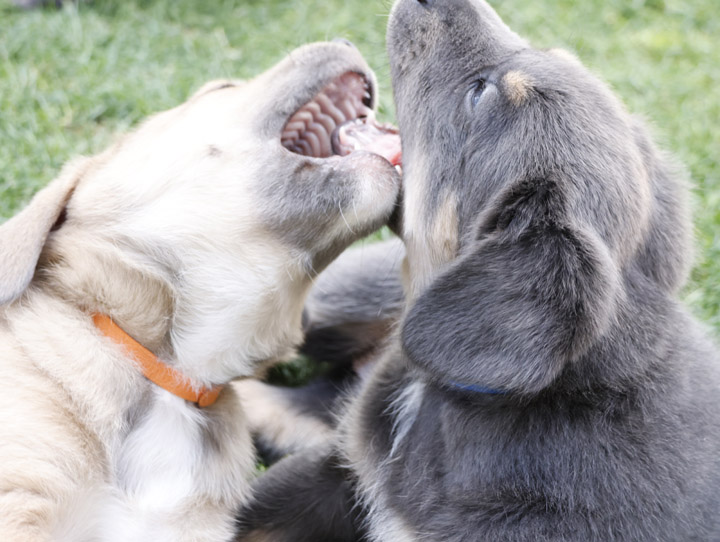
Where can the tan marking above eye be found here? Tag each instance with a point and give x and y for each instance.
(517, 86)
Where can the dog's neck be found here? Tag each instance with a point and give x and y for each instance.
(99, 276)
(153, 368)
(211, 344)
(96, 280)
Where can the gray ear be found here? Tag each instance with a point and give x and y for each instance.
(532, 294)
(22, 237)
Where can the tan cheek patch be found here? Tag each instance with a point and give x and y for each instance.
(432, 245)
(405, 277)
(517, 86)
(445, 229)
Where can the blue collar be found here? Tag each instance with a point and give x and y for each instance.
(476, 389)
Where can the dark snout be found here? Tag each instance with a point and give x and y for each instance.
(437, 48)
(455, 27)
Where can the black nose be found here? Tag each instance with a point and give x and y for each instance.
(345, 42)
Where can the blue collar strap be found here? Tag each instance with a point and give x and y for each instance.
(476, 389)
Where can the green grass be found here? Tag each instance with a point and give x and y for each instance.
(71, 80)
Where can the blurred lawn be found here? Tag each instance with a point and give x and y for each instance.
(70, 80)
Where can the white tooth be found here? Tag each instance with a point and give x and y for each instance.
(367, 113)
(314, 143)
(329, 108)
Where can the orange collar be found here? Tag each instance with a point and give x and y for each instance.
(155, 370)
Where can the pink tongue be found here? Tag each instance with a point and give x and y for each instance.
(387, 146)
(367, 135)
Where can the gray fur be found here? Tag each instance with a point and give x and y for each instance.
(286, 507)
(318, 187)
(573, 242)
(355, 303)
(350, 313)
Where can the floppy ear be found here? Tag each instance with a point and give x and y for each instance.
(22, 237)
(534, 292)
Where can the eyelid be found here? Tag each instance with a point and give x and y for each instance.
(477, 89)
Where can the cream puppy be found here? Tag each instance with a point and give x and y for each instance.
(194, 240)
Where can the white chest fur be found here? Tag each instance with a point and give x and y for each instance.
(182, 471)
(179, 475)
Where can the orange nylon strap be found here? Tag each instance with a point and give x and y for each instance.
(155, 370)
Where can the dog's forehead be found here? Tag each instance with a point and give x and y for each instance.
(539, 114)
(551, 70)
(217, 115)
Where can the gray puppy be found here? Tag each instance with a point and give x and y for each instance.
(546, 384)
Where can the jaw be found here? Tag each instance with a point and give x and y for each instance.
(238, 314)
(330, 179)
(307, 204)
(331, 117)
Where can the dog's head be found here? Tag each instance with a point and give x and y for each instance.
(201, 231)
(531, 200)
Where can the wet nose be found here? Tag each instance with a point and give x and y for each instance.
(345, 42)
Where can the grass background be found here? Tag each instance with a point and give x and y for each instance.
(72, 79)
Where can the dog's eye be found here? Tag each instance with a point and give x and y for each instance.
(478, 87)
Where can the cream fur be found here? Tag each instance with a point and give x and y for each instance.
(271, 413)
(168, 233)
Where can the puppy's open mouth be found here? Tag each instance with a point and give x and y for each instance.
(339, 121)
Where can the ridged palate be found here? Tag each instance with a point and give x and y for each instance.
(309, 130)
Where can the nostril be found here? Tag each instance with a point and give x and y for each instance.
(426, 3)
(345, 42)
